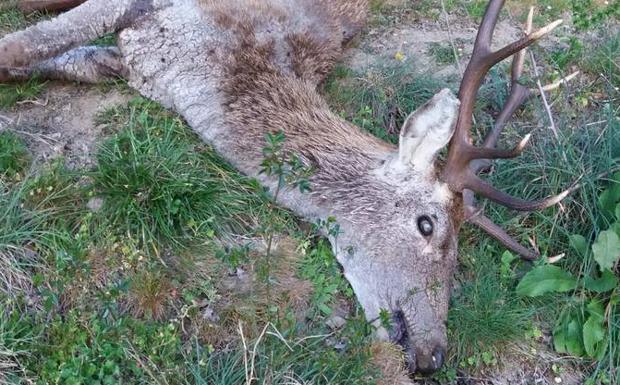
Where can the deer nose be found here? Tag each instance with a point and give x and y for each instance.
(430, 363)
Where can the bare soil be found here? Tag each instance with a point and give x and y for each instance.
(61, 122)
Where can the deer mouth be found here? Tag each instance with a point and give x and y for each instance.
(401, 335)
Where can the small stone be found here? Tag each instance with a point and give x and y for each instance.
(335, 322)
(558, 380)
(95, 204)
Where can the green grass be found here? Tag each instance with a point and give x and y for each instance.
(485, 315)
(12, 19)
(443, 54)
(159, 182)
(379, 100)
(117, 295)
(290, 359)
(11, 94)
(14, 156)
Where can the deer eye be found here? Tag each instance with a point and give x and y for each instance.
(425, 225)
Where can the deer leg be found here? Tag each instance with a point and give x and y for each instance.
(84, 64)
(80, 25)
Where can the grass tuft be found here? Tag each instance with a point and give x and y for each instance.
(11, 94)
(158, 182)
(14, 156)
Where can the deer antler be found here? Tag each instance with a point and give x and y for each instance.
(465, 160)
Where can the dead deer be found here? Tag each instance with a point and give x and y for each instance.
(238, 69)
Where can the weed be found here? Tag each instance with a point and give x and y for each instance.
(584, 328)
(17, 334)
(108, 39)
(605, 61)
(14, 156)
(19, 228)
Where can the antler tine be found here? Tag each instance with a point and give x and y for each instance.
(485, 189)
(465, 161)
(518, 92)
(461, 150)
(476, 217)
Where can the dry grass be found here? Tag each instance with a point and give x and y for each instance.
(389, 359)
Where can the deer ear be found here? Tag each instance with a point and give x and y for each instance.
(427, 130)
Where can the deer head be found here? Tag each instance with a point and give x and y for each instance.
(405, 270)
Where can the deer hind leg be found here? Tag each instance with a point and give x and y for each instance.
(80, 25)
(83, 64)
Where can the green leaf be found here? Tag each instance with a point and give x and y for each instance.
(507, 258)
(545, 279)
(606, 282)
(567, 334)
(579, 243)
(618, 211)
(607, 201)
(606, 249)
(594, 331)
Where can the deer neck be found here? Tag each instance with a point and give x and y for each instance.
(341, 156)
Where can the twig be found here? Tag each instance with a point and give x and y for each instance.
(260, 337)
(279, 335)
(454, 51)
(541, 91)
(245, 350)
(249, 364)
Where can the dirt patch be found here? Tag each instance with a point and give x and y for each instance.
(413, 42)
(61, 122)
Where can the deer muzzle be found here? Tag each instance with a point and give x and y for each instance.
(424, 359)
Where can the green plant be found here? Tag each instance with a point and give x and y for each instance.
(563, 57)
(485, 314)
(586, 327)
(14, 156)
(11, 94)
(587, 15)
(443, 54)
(320, 267)
(159, 182)
(92, 350)
(289, 170)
